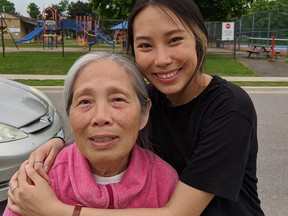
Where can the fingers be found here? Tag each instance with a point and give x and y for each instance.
(33, 174)
(11, 205)
(14, 188)
(56, 146)
(36, 159)
(22, 179)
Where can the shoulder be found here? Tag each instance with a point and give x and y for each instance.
(226, 95)
(63, 156)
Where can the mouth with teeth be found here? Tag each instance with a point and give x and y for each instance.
(103, 142)
(170, 76)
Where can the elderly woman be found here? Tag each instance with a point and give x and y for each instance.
(107, 104)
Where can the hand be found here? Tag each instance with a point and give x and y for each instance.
(31, 199)
(43, 157)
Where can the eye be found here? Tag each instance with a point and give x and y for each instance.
(119, 102)
(143, 46)
(176, 40)
(84, 102)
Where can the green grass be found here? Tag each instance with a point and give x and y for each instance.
(69, 43)
(226, 66)
(47, 63)
(51, 62)
(42, 82)
(260, 83)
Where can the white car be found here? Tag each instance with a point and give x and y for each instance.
(27, 120)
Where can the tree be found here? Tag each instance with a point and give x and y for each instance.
(80, 9)
(267, 18)
(113, 9)
(212, 10)
(64, 5)
(7, 6)
(222, 10)
(33, 10)
(62, 8)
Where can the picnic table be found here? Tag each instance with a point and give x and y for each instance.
(261, 50)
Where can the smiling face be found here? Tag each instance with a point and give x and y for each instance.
(164, 49)
(105, 116)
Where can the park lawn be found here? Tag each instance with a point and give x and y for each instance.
(225, 65)
(51, 62)
(34, 62)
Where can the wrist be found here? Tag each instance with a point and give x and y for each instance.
(62, 210)
(77, 210)
(60, 135)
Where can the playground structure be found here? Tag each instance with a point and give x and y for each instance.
(49, 31)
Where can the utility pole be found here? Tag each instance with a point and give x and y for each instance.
(2, 34)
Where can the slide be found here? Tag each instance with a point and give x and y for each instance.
(105, 39)
(30, 36)
(100, 36)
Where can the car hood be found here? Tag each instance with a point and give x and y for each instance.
(19, 105)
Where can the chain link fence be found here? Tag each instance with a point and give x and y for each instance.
(255, 28)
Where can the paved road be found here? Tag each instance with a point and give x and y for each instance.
(271, 105)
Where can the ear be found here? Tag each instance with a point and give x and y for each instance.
(145, 116)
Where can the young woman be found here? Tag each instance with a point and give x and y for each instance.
(204, 126)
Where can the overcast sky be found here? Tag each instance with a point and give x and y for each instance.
(20, 5)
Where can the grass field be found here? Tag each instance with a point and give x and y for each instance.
(51, 62)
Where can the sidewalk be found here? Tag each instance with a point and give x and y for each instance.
(62, 77)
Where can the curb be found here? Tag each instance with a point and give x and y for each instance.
(62, 77)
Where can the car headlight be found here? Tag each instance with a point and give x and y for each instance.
(8, 133)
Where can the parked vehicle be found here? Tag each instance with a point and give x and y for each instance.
(27, 120)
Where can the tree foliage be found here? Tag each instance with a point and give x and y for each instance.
(113, 9)
(33, 10)
(268, 18)
(212, 10)
(7, 6)
(80, 9)
(223, 10)
(62, 8)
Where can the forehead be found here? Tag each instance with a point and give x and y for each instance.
(152, 13)
(105, 68)
(103, 72)
(153, 20)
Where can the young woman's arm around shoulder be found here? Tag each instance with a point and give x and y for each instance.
(184, 201)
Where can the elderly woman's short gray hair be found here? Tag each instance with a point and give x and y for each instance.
(125, 62)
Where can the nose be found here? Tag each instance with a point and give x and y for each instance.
(162, 57)
(101, 116)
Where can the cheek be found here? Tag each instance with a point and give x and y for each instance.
(142, 60)
(77, 122)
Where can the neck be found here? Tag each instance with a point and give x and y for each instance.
(110, 168)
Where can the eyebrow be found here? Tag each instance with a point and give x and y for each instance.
(111, 90)
(169, 33)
